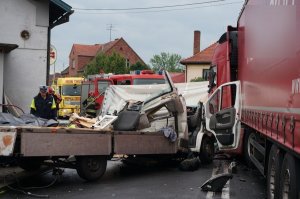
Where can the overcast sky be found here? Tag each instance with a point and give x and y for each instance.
(147, 31)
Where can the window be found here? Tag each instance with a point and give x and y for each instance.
(228, 96)
(73, 63)
(127, 63)
(124, 82)
(214, 103)
(205, 74)
(102, 86)
(148, 81)
(71, 90)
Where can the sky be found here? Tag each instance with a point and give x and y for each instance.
(148, 31)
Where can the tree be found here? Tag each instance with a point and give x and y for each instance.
(166, 61)
(113, 63)
(139, 66)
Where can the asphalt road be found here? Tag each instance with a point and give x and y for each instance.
(129, 182)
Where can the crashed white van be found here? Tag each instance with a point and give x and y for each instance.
(161, 109)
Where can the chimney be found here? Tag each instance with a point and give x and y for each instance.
(196, 41)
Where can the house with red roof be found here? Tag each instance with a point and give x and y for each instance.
(198, 64)
(82, 54)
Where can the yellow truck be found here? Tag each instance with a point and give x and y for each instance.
(69, 88)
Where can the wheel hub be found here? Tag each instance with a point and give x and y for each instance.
(93, 164)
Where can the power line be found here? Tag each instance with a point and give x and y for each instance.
(151, 7)
(165, 10)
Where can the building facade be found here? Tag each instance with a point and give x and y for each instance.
(24, 46)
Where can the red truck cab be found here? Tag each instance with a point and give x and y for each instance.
(225, 60)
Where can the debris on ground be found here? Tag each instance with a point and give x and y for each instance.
(232, 167)
(191, 164)
(242, 180)
(217, 182)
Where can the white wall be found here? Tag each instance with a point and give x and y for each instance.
(25, 68)
(194, 71)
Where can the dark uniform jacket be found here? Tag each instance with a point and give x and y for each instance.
(44, 108)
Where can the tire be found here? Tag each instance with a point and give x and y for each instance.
(207, 150)
(289, 188)
(91, 168)
(30, 164)
(273, 175)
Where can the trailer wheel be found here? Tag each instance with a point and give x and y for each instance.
(207, 150)
(289, 176)
(91, 168)
(273, 175)
(30, 163)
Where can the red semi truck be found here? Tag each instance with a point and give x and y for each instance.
(254, 104)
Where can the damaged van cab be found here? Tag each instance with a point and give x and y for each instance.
(148, 108)
(159, 109)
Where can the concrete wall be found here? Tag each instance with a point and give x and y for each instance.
(25, 68)
(194, 71)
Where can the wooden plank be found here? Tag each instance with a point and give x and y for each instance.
(65, 144)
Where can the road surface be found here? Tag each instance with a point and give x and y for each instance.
(129, 182)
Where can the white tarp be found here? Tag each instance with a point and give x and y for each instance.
(116, 96)
(193, 92)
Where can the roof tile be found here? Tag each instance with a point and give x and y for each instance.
(86, 50)
(203, 56)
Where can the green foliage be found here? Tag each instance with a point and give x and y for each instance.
(139, 66)
(166, 61)
(113, 63)
(198, 79)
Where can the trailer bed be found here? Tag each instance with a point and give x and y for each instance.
(53, 141)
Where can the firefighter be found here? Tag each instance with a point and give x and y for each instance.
(90, 106)
(43, 105)
(56, 98)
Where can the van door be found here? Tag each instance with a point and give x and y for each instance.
(222, 115)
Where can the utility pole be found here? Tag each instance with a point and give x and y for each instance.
(110, 27)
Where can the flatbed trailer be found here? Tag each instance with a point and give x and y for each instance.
(91, 148)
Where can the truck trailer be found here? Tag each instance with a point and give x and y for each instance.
(254, 104)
